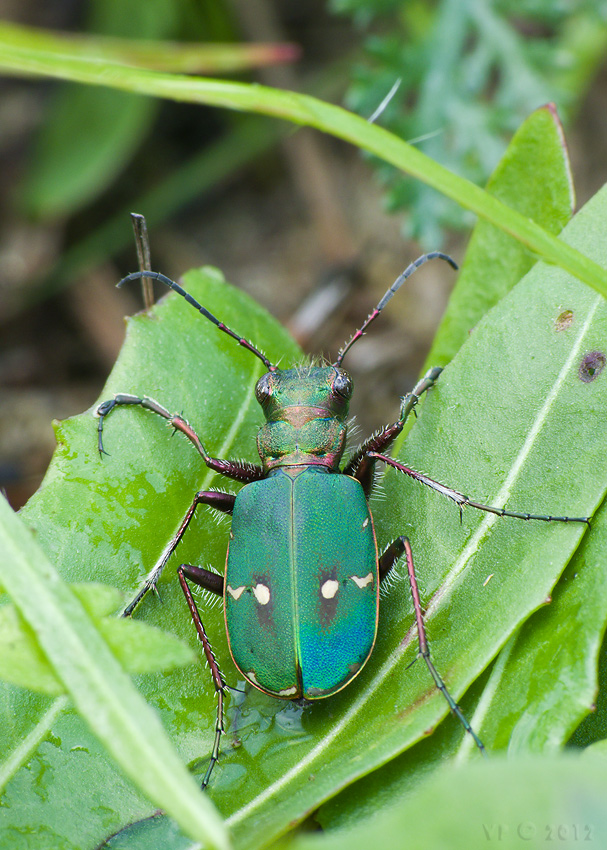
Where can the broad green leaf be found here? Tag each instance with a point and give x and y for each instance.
(534, 178)
(545, 680)
(510, 416)
(107, 519)
(309, 111)
(99, 688)
(139, 648)
(531, 802)
(594, 727)
(395, 781)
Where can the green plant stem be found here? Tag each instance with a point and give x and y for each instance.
(306, 110)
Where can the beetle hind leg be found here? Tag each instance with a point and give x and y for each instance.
(213, 582)
(386, 561)
(463, 501)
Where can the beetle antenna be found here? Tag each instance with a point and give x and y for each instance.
(389, 294)
(171, 283)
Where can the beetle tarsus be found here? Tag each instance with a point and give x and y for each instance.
(424, 649)
(201, 577)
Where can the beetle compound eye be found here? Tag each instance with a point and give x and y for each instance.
(263, 389)
(343, 384)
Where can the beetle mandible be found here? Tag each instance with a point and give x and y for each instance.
(302, 550)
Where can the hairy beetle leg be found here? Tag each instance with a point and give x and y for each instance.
(237, 470)
(213, 582)
(220, 501)
(390, 556)
(386, 561)
(362, 463)
(463, 501)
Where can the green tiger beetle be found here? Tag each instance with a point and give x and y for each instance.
(302, 562)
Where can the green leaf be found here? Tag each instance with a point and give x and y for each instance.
(107, 519)
(555, 655)
(138, 647)
(306, 110)
(22, 662)
(101, 691)
(537, 160)
(511, 803)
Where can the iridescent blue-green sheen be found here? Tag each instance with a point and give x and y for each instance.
(301, 586)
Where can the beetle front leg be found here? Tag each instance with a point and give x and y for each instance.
(237, 470)
(386, 561)
(362, 464)
(220, 501)
(214, 583)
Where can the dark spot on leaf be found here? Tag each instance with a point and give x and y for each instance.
(591, 366)
(564, 320)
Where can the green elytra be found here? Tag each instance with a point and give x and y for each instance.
(303, 572)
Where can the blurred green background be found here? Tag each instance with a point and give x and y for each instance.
(302, 222)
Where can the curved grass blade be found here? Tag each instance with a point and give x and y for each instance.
(306, 110)
(100, 689)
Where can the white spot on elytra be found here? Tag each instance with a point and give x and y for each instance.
(252, 677)
(366, 522)
(262, 594)
(329, 588)
(236, 594)
(288, 692)
(362, 582)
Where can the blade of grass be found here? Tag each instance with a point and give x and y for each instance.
(306, 110)
(100, 689)
(161, 55)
